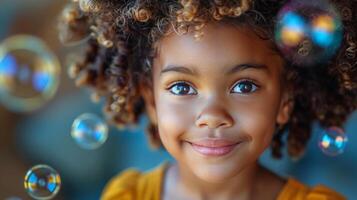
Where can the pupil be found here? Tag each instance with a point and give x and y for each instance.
(182, 88)
(245, 87)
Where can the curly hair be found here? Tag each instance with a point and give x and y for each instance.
(120, 53)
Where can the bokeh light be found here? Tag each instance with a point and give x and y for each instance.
(42, 182)
(29, 73)
(308, 32)
(332, 141)
(89, 131)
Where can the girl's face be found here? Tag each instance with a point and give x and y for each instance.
(228, 86)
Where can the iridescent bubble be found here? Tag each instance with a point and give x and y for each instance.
(42, 182)
(308, 32)
(89, 131)
(89, 5)
(332, 141)
(29, 73)
(73, 35)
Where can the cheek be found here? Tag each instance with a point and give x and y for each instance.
(261, 130)
(175, 117)
(257, 119)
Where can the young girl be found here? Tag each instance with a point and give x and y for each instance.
(216, 89)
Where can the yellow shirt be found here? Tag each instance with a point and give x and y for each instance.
(135, 185)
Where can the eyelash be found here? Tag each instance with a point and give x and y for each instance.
(256, 86)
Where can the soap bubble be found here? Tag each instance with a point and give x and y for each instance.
(29, 73)
(308, 32)
(71, 35)
(89, 5)
(42, 182)
(89, 131)
(332, 141)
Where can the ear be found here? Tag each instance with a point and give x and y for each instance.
(285, 108)
(146, 90)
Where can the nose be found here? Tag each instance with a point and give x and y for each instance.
(214, 116)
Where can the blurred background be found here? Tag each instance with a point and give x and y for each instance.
(43, 135)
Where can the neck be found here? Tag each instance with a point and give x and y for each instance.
(240, 186)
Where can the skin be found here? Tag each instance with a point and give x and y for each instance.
(244, 105)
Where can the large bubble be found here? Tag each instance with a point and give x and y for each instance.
(42, 182)
(89, 131)
(29, 73)
(308, 32)
(332, 141)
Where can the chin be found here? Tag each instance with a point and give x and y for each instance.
(216, 174)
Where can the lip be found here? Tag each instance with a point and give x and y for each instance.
(214, 147)
(214, 143)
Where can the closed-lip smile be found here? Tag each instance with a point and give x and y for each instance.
(214, 147)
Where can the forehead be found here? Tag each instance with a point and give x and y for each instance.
(221, 45)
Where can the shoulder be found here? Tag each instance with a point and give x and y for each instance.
(132, 184)
(122, 186)
(295, 190)
(323, 192)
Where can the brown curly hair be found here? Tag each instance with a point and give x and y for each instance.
(120, 53)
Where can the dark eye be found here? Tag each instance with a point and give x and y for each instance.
(182, 88)
(245, 87)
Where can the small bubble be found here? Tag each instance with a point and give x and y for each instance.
(89, 131)
(89, 5)
(73, 35)
(332, 141)
(315, 22)
(42, 182)
(29, 73)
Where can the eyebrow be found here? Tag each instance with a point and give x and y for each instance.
(234, 69)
